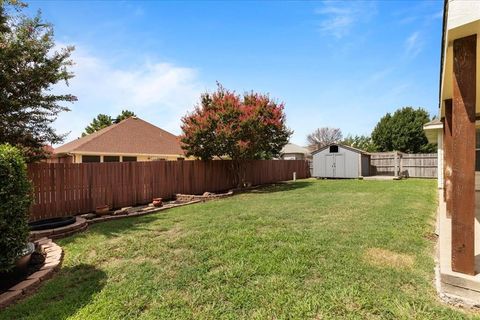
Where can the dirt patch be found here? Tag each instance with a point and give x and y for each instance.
(315, 278)
(431, 236)
(386, 258)
(174, 234)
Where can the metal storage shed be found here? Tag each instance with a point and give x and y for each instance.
(339, 161)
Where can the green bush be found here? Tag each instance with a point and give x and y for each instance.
(15, 200)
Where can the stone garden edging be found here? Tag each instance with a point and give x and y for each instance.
(53, 260)
(204, 197)
(54, 253)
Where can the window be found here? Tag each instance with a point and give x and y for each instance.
(333, 149)
(129, 159)
(477, 151)
(88, 159)
(111, 159)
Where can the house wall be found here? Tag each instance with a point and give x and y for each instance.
(293, 156)
(352, 161)
(78, 157)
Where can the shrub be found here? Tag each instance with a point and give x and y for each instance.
(15, 200)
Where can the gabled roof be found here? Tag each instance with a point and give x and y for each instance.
(293, 148)
(130, 136)
(341, 146)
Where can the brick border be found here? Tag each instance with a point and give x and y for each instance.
(204, 197)
(79, 225)
(53, 260)
(141, 212)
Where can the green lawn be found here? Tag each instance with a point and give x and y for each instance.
(305, 250)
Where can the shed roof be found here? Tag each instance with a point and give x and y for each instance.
(342, 146)
(130, 136)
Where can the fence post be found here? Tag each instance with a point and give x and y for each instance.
(395, 172)
(401, 164)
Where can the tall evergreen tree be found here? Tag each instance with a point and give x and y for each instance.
(29, 68)
(125, 114)
(102, 121)
(99, 122)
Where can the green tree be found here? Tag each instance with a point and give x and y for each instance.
(99, 122)
(15, 200)
(125, 114)
(102, 121)
(361, 142)
(403, 131)
(29, 67)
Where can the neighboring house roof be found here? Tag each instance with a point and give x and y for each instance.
(431, 128)
(293, 148)
(48, 149)
(342, 146)
(130, 136)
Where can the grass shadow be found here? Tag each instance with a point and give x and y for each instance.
(115, 228)
(68, 291)
(281, 187)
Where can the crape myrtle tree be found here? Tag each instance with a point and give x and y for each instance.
(403, 131)
(227, 125)
(30, 65)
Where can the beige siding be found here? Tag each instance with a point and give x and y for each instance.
(78, 157)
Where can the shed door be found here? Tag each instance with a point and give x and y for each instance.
(339, 166)
(334, 166)
(330, 166)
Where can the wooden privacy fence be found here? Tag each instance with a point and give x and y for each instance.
(419, 165)
(63, 189)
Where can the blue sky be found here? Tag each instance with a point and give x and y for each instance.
(337, 64)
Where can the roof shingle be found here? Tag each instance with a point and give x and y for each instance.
(130, 136)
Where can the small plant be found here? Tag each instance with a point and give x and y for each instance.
(15, 200)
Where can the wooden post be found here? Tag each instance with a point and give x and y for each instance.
(447, 157)
(463, 123)
(395, 160)
(401, 164)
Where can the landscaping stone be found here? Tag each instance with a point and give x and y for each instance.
(206, 196)
(25, 285)
(120, 212)
(42, 274)
(89, 216)
(9, 297)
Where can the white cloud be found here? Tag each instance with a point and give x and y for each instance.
(340, 17)
(156, 91)
(413, 45)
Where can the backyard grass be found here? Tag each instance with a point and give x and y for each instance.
(304, 250)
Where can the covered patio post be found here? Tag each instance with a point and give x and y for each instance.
(463, 157)
(448, 157)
